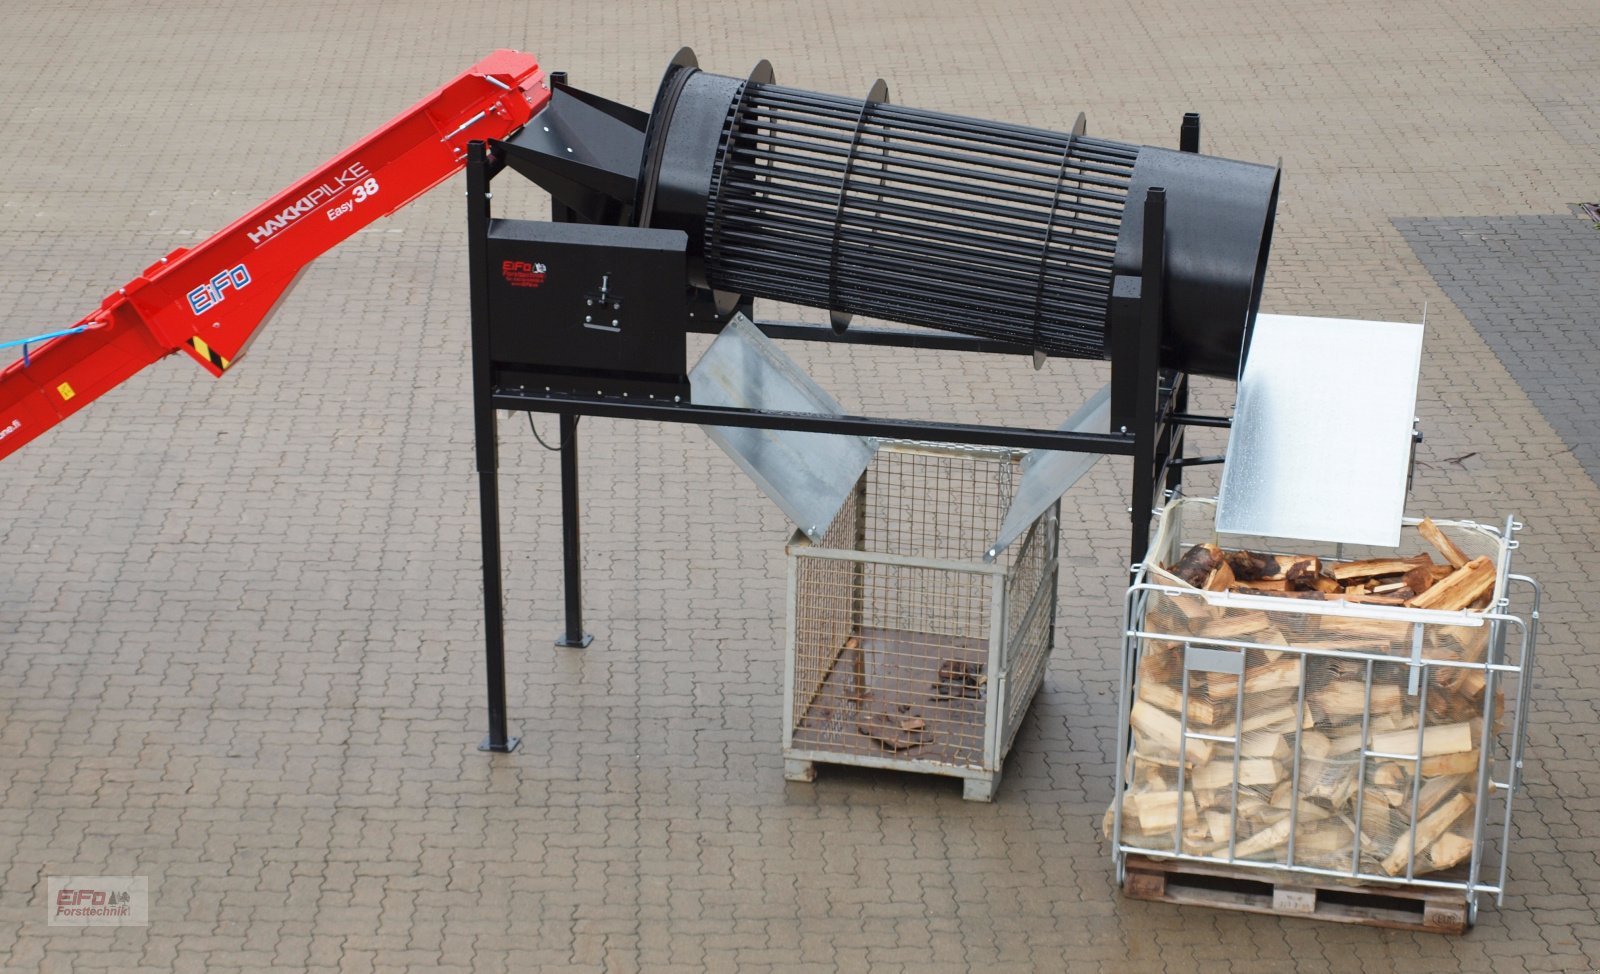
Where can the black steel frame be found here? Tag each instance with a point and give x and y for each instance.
(1149, 412)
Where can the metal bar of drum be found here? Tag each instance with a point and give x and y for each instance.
(1114, 444)
(935, 341)
(1050, 227)
(879, 92)
(486, 439)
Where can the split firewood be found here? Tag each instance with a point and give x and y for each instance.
(1386, 630)
(1448, 850)
(1374, 567)
(1219, 774)
(1303, 573)
(1330, 839)
(1465, 682)
(1220, 578)
(1264, 841)
(895, 731)
(1280, 674)
(1348, 698)
(1170, 699)
(1436, 740)
(1460, 589)
(1271, 636)
(1332, 781)
(1436, 790)
(1313, 745)
(1265, 719)
(1197, 564)
(1219, 825)
(1269, 744)
(1397, 600)
(1389, 774)
(1465, 643)
(960, 679)
(1233, 624)
(1256, 586)
(1311, 712)
(1248, 566)
(1325, 585)
(1157, 811)
(1431, 533)
(1446, 707)
(1309, 596)
(1164, 733)
(1376, 815)
(1413, 581)
(1461, 762)
(1416, 840)
(1161, 662)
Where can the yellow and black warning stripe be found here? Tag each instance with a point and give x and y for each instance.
(208, 353)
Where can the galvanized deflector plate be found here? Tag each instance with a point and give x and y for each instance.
(1321, 439)
(808, 475)
(1047, 474)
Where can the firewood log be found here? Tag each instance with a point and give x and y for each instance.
(1434, 536)
(1197, 564)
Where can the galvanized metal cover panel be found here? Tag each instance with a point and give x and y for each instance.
(1047, 474)
(1321, 439)
(808, 475)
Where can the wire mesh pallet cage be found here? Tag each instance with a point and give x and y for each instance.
(905, 650)
(1329, 743)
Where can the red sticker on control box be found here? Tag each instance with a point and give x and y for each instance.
(520, 273)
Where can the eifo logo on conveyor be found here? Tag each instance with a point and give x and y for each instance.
(354, 175)
(210, 294)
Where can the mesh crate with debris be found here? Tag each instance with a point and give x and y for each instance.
(905, 650)
(1381, 694)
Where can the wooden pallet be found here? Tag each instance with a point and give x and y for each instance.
(1258, 891)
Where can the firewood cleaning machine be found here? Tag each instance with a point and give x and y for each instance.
(990, 237)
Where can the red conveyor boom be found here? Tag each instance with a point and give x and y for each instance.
(211, 300)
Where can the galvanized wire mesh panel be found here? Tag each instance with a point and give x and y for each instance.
(1362, 742)
(827, 594)
(935, 502)
(901, 633)
(1030, 612)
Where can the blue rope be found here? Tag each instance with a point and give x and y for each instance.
(25, 342)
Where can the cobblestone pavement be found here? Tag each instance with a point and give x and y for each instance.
(1530, 285)
(239, 620)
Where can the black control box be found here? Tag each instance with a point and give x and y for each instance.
(589, 309)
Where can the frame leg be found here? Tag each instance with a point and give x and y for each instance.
(494, 625)
(571, 547)
(486, 438)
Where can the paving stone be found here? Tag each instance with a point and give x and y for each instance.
(240, 623)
